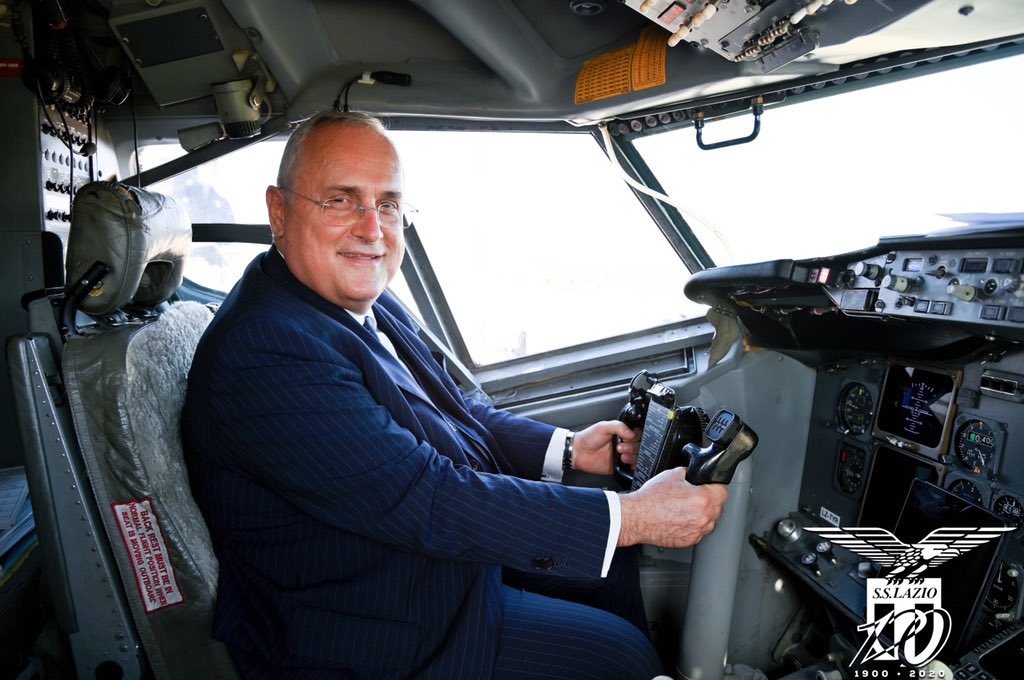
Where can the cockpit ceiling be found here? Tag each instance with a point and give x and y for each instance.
(549, 59)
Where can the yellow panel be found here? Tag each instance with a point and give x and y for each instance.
(635, 67)
(605, 76)
(649, 58)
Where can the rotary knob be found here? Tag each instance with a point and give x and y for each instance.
(788, 531)
(963, 292)
(900, 284)
(867, 270)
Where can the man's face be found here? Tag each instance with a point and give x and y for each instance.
(350, 265)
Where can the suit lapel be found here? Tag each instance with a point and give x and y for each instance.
(426, 388)
(440, 394)
(406, 382)
(419, 362)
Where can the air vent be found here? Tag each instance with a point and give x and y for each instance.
(1002, 385)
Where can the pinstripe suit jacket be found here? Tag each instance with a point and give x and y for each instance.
(354, 538)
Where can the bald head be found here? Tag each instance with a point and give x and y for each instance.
(294, 149)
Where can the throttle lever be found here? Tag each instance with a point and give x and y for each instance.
(732, 442)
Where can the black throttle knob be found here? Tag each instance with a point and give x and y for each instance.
(732, 442)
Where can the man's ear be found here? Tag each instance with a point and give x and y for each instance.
(275, 210)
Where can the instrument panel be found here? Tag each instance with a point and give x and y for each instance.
(981, 287)
(937, 415)
(882, 424)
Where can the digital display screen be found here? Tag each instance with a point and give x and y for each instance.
(652, 442)
(912, 264)
(974, 265)
(915, 404)
(892, 473)
(965, 578)
(1005, 265)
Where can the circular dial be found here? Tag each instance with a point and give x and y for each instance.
(976, 444)
(1002, 596)
(850, 468)
(856, 408)
(1011, 508)
(967, 490)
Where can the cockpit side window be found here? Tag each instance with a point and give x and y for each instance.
(536, 241)
(228, 190)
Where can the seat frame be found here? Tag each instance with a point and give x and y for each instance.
(90, 606)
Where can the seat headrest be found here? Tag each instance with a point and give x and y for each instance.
(141, 236)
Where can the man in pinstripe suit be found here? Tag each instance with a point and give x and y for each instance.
(368, 519)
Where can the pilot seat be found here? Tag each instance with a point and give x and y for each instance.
(127, 556)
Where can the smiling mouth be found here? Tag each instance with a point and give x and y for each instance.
(361, 256)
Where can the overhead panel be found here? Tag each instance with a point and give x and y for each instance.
(178, 48)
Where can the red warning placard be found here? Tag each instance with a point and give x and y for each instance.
(147, 551)
(11, 68)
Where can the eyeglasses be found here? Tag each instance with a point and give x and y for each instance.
(344, 212)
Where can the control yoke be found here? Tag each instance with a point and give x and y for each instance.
(672, 437)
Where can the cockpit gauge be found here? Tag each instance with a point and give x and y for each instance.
(1011, 508)
(967, 490)
(1004, 594)
(856, 408)
(850, 468)
(976, 445)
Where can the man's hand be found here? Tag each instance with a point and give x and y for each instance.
(592, 449)
(669, 512)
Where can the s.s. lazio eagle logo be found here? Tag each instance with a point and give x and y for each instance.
(906, 624)
(909, 561)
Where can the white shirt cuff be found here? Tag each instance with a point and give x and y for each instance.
(614, 527)
(552, 471)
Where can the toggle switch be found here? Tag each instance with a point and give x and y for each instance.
(810, 560)
(824, 548)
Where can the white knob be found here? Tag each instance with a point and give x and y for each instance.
(678, 36)
(965, 293)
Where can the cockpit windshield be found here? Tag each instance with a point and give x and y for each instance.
(837, 173)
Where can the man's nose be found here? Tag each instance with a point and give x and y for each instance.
(368, 226)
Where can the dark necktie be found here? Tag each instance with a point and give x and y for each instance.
(479, 457)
